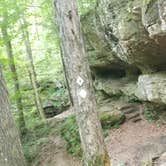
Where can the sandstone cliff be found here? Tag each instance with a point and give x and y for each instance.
(126, 44)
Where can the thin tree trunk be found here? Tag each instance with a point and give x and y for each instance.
(36, 28)
(80, 82)
(12, 66)
(30, 77)
(67, 83)
(32, 69)
(10, 147)
(35, 22)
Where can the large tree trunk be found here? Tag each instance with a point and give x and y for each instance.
(12, 66)
(32, 69)
(80, 83)
(10, 147)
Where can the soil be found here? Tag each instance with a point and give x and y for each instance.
(135, 143)
(130, 145)
(53, 153)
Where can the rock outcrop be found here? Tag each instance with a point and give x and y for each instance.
(126, 43)
(152, 88)
(127, 32)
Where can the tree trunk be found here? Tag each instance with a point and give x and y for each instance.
(32, 69)
(10, 147)
(30, 77)
(80, 82)
(67, 83)
(12, 66)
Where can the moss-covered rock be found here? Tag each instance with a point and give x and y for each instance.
(111, 119)
(115, 88)
(99, 53)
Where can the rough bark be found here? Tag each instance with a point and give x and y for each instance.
(12, 66)
(80, 84)
(31, 69)
(10, 147)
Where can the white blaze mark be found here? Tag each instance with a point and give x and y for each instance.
(80, 81)
(83, 93)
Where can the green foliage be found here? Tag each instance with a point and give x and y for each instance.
(121, 164)
(133, 99)
(148, 163)
(111, 120)
(150, 113)
(47, 61)
(147, 2)
(54, 92)
(69, 131)
(62, 99)
(34, 139)
(85, 5)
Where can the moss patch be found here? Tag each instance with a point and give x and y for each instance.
(110, 119)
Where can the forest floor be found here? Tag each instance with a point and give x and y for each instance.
(127, 145)
(136, 142)
(54, 154)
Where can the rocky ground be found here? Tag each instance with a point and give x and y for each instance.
(137, 142)
(54, 154)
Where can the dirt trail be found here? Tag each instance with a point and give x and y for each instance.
(54, 154)
(135, 142)
(130, 144)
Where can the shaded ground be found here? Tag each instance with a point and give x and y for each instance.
(53, 153)
(131, 144)
(134, 143)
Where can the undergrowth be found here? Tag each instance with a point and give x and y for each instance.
(69, 131)
(150, 113)
(38, 133)
(32, 140)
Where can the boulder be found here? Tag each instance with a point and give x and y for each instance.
(111, 119)
(148, 153)
(138, 48)
(152, 87)
(116, 88)
(126, 39)
(99, 53)
(162, 160)
(122, 33)
(154, 19)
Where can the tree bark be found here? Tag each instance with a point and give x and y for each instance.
(31, 69)
(7, 42)
(10, 147)
(80, 84)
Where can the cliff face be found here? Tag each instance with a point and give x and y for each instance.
(126, 43)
